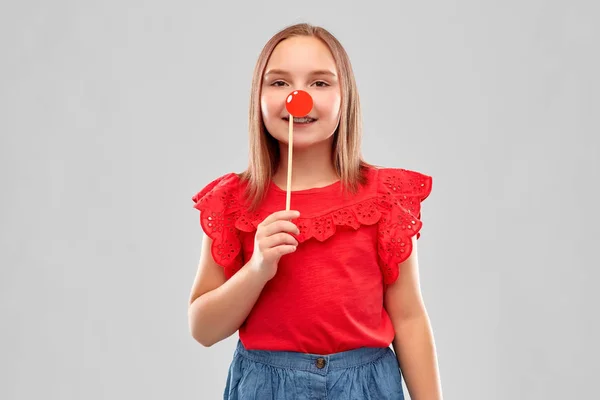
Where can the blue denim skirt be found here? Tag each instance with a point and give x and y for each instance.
(361, 374)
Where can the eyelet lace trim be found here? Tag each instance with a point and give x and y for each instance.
(395, 205)
(219, 210)
(324, 226)
(400, 195)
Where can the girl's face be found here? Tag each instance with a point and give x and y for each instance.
(301, 63)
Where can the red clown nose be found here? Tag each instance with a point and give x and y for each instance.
(299, 103)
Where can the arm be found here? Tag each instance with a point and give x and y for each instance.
(413, 344)
(218, 307)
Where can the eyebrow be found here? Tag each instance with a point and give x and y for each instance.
(283, 72)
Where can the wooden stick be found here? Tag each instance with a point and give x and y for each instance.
(289, 171)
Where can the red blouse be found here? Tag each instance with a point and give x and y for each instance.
(327, 296)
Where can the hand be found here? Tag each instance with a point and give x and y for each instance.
(272, 241)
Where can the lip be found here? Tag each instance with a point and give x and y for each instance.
(306, 116)
(287, 119)
(299, 124)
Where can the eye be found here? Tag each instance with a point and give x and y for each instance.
(321, 83)
(278, 83)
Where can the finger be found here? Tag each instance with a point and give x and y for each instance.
(282, 250)
(277, 215)
(277, 240)
(279, 226)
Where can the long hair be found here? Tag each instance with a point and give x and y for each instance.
(264, 149)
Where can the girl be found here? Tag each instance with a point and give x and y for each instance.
(320, 292)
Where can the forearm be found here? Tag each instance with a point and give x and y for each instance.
(218, 314)
(415, 348)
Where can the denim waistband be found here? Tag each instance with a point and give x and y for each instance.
(313, 362)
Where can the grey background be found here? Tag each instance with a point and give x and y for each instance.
(113, 114)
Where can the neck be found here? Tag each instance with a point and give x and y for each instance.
(311, 167)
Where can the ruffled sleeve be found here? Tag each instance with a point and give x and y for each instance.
(400, 193)
(219, 206)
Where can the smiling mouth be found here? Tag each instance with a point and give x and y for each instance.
(302, 120)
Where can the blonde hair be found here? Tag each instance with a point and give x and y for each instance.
(264, 149)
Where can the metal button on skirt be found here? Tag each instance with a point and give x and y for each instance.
(365, 374)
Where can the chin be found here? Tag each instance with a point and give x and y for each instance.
(301, 144)
(304, 142)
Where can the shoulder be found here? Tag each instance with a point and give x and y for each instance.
(222, 192)
(396, 182)
(398, 194)
(219, 206)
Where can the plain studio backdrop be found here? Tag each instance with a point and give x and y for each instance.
(113, 114)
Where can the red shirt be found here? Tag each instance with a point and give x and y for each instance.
(327, 296)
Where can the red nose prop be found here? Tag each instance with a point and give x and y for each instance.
(299, 103)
